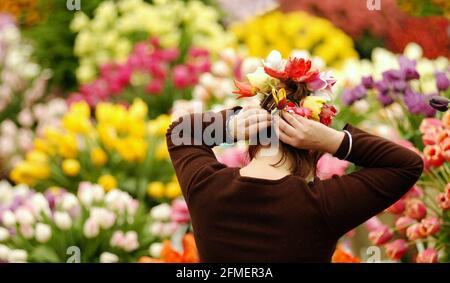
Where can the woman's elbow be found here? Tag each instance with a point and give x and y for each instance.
(416, 167)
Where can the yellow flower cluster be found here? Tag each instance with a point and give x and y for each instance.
(87, 149)
(287, 32)
(159, 190)
(108, 35)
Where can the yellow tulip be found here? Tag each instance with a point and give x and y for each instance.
(155, 189)
(98, 157)
(173, 190)
(76, 123)
(161, 152)
(68, 146)
(37, 156)
(71, 167)
(108, 182)
(138, 109)
(314, 103)
(81, 109)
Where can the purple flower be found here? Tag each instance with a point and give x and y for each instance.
(442, 81)
(399, 86)
(384, 99)
(417, 103)
(382, 87)
(408, 68)
(347, 97)
(367, 82)
(392, 76)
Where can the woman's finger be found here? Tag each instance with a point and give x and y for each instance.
(291, 119)
(285, 138)
(256, 118)
(255, 128)
(286, 128)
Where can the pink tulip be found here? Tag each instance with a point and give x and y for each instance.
(430, 124)
(443, 201)
(380, 235)
(327, 166)
(413, 232)
(415, 209)
(198, 52)
(427, 256)
(398, 207)
(430, 226)
(180, 212)
(373, 224)
(403, 223)
(233, 157)
(181, 76)
(154, 87)
(414, 192)
(396, 249)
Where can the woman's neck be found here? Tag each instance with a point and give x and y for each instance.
(263, 164)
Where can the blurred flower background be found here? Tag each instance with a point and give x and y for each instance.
(86, 97)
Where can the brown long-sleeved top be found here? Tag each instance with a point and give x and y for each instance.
(244, 219)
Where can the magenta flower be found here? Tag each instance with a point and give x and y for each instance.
(413, 232)
(398, 207)
(430, 226)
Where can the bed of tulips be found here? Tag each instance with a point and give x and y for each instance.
(86, 98)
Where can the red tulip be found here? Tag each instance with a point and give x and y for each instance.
(430, 226)
(396, 249)
(413, 232)
(244, 89)
(415, 209)
(414, 192)
(380, 235)
(433, 155)
(427, 256)
(403, 223)
(398, 207)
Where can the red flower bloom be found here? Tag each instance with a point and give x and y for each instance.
(327, 114)
(292, 108)
(297, 69)
(433, 155)
(244, 89)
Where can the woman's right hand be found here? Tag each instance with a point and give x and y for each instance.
(248, 122)
(302, 133)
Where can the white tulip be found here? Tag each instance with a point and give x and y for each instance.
(91, 228)
(155, 250)
(131, 241)
(24, 216)
(17, 256)
(8, 219)
(4, 251)
(68, 202)
(275, 61)
(98, 193)
(43, 232)
(208, 81)
(27, 231)
(161, 212)
(4, 234)
(107, 257)
(86, 196)
(413, 51)
(156, 228)
(62, 220)
(168, 229)
(103, 217)
(220, 68)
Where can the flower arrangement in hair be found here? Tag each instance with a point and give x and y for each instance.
(292, 85)
(295, 86)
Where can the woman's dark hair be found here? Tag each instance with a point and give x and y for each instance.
(303, 162)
